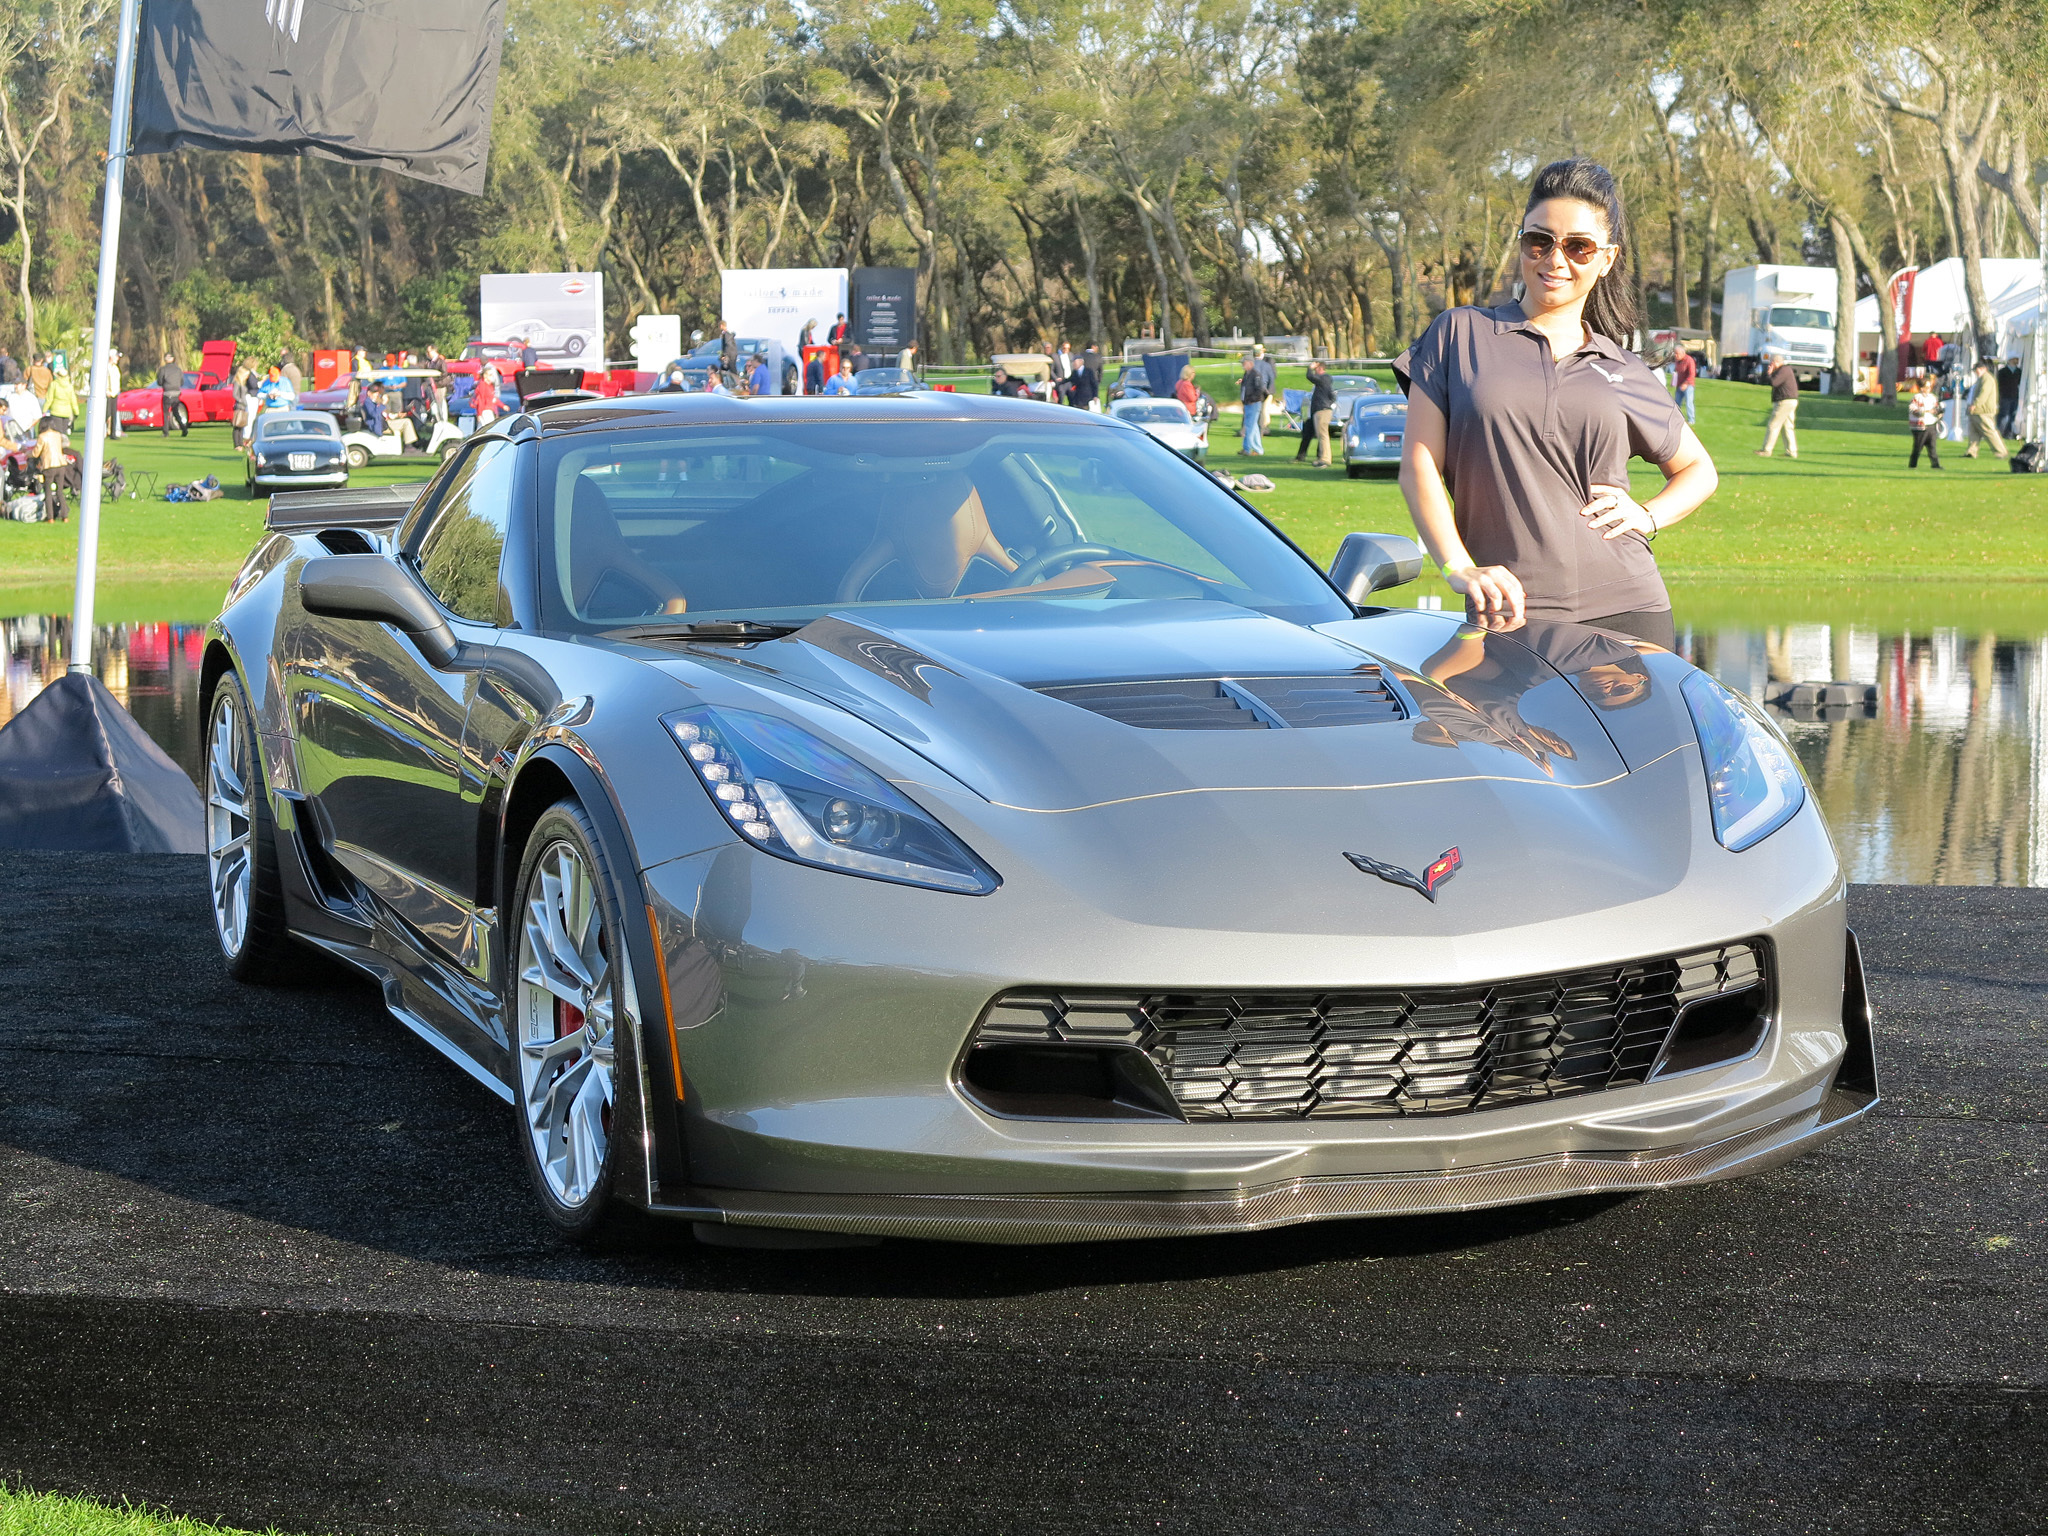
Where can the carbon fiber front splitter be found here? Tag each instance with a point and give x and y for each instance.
(1104, 1218)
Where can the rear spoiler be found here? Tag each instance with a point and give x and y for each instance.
(377, 510)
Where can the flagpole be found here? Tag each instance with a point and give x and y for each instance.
(102, 332)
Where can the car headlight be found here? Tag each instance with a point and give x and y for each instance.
(1753, 783)
(792, 795)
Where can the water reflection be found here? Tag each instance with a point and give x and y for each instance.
(1946, 783)
(153, 669)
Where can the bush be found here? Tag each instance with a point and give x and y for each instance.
(430, 311)
(214, 308)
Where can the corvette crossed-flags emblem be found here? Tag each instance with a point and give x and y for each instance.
(1440, 869)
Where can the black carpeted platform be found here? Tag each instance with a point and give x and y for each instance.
(265, 1258)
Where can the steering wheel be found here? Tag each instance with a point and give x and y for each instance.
(1040, 566)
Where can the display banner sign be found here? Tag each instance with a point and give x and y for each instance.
(389, 83)
(884, 312)
(775, 303)
(560, 314)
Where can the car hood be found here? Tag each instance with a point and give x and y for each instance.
(984, 692)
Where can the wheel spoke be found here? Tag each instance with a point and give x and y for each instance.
(565, 1080)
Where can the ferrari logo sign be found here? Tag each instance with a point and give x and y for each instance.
(1440, 869)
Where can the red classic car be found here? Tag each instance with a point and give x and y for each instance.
(208, 395)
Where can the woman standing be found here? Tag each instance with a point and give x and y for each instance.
(486, 403)
(1522, 420)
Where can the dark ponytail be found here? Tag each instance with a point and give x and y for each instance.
(1611, 307)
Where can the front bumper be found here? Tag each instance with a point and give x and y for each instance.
(299, 480)
(821, 1030)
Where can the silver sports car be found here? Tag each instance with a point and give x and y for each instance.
(944, 817)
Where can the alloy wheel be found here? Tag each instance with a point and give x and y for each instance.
(228, 820)
(564, 1024)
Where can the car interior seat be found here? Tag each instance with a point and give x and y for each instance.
(933, 527)
(606, 579)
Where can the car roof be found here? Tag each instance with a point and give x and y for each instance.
(634, 412)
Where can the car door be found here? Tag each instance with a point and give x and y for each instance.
(380, 729)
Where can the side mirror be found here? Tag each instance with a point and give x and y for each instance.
(1371, 562)
(373, 588)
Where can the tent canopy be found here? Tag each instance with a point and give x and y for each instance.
(1940, 303)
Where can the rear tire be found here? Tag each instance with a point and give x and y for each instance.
(358, 456)
(566, 1000)
(1354, 471)
(241, 845)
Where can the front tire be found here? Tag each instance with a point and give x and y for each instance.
(241, 844)
(567, 1000)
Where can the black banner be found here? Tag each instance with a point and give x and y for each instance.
(393, 83)
(884, 314)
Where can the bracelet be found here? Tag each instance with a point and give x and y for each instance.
(1651, 536)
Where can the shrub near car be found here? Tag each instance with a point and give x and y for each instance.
(946, 817)
(296, 450)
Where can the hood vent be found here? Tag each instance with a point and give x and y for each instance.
(1240, 703)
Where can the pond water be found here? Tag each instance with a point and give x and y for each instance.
(1942, 779)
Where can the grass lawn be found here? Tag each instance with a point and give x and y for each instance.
(1845, 529)
(39, 1514)
(158, 559)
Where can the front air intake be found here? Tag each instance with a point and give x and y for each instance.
(1392, 1051)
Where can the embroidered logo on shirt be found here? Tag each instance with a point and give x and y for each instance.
(1612, 378)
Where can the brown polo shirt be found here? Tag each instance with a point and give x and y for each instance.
(1526, 442)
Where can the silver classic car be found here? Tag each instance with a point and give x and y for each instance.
(942, 817)
(1373, 432)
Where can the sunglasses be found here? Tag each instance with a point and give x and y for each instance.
(1578, 249)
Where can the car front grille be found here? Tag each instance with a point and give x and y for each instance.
(1360, 697)
(1388, 1052)
(300, 462)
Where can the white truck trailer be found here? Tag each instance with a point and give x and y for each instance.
(1786, 309)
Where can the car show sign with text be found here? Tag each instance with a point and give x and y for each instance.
(368, 82)
(560, 314)
(884, 307)
(772, 303)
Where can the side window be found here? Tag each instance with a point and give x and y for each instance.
(459, 549)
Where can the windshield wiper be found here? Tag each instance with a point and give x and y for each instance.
(713, 629)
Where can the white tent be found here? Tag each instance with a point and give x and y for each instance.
(1939, 303)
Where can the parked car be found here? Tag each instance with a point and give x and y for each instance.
(981, 825)
(1373, 432)
(885, 381)
(208, 395)
(478, 352)
(780, 365)
(1167, 421)
(296, 451)
(1132, 383)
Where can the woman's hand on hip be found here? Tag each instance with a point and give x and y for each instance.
(1615, 512)
(1488, 589)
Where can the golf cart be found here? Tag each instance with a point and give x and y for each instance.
(361, 447)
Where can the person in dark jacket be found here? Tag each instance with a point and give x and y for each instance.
(170, 383)
(1083, 383)
(1784, 409)
(1315, 415)
(836, 337)
(529, 356)
(728, 349)
(10, 370)
(2009, 397)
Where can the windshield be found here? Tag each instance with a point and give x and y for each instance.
(1372, 406)
(884, 378)
(294, 426)
(1802, 319)
(1158, 413)
(790, 522)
